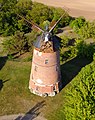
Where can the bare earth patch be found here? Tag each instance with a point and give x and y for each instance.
(21, 117)
(76, 8)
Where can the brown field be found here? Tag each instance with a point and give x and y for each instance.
(76, 8)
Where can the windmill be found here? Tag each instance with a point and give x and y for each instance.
(45, 76)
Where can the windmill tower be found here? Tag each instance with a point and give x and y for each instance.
(45, 77)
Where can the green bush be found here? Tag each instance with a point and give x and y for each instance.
(80, 96)
(79, 48)
(17, 43)
(84, 50)
(77, 24)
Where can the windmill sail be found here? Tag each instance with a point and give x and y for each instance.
(56, 23)
(33, 24)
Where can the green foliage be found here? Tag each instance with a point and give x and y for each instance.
(24, 6)
(45, 24)
(94, 56)
(80, 97)
(77, 24)
(64, 41)
(84, 28)
(87, 30)
(66, 50)
(17, 43)
(85, 50)
(31, 37)
(76, 48)
(58, 12)
(7, 17)
(40, 13)
(10, 21)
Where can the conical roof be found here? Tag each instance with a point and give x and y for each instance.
(55, 41)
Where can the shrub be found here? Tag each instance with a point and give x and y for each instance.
(80, 97)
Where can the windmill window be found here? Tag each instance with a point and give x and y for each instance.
(37, 88)
(35, 68)
(46, 61)
(54, 88)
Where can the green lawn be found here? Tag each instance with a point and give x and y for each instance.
(15, 96)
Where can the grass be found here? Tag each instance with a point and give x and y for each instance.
(15, 96)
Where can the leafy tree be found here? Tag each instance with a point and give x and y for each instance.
(80, 97)
(77, 24)
(7, 17)
(23, 7)
(87, 30)
(9, 22)
(84, 50)
(17, 43)
(78, 48)
(31, 37)
(45, 25)
(40, 13)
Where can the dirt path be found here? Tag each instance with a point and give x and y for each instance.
(21, 117)
(76, 8)
(1, 48)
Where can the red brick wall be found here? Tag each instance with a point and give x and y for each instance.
(45, 70)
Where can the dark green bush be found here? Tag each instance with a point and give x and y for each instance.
(80, 97)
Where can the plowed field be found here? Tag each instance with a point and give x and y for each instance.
(76, 8)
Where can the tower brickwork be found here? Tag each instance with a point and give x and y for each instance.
(45, 73)
(45, 77)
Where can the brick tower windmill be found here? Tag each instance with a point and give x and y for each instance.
(45, 77)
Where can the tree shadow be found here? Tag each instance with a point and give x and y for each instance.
(71, 68)
(2, 61)
(32, 113)
(2, 83)
(59, 31)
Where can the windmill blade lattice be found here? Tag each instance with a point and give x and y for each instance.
(32, 23)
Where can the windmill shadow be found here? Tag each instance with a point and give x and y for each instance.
(2, 83)
(2, 61)
(71, 68)
(32, 113)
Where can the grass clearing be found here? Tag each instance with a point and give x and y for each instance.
(15, 96)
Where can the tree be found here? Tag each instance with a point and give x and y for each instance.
(9, 22)
(17, 43)
(7, 17)
(31, 37)
(40, 13)
(80, 97)
(77, 24)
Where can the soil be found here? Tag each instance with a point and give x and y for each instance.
(21, 117)
(76, 8)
